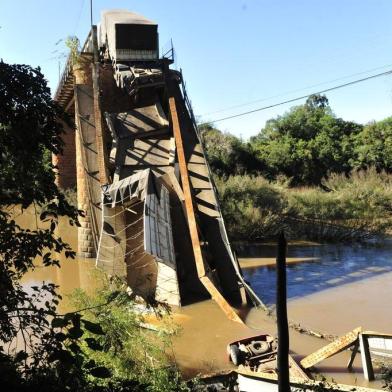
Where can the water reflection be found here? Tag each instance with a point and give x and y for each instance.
(336, 265)
(72, 273)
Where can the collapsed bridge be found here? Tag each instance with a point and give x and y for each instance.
(151, 209)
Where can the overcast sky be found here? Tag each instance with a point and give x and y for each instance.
(233, 52)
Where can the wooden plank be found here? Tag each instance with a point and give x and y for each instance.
(201, 268)
(338, 345)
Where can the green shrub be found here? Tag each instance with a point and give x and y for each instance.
(252, 207)
(346, 208)
(131, 352)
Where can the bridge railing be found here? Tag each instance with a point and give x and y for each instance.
(187, 100)
(68, 71)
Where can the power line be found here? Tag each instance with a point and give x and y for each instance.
(303, 96)
(78, 17)
(295, 91)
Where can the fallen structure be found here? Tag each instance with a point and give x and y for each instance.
(256, 361)
(152, 212)
(366, 342)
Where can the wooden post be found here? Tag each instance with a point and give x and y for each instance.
(281, 313)
(367, 365)
(353, 354)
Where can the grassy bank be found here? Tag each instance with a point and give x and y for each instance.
(344, 208)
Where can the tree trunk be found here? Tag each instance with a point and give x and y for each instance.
(281, 313)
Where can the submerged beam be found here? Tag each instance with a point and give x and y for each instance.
(202, 270)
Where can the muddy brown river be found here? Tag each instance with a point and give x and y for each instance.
(330, 289)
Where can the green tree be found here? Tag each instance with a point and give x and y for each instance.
(228, 154)
(307, 143)
(30, 127)
(373, 146)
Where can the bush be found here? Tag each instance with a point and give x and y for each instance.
(132, 353)
(252, 207)
(227, 154)
(346, 208)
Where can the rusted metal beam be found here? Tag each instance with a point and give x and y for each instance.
(338, 345)
(201, 267)
(70, 103)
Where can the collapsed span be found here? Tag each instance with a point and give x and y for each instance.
(158, 221)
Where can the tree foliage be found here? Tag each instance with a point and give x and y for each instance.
(373, 146)
(305, 144)
(30, 128)
(227, 154)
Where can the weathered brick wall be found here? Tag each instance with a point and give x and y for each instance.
(85, 235)
(86, 247)
(66, 162)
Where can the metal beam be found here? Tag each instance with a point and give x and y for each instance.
(353, 354)
(202, 269)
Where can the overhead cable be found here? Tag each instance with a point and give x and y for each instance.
(303, 96)
(296, 90)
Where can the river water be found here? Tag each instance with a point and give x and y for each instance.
(330, 288)
(334, 289)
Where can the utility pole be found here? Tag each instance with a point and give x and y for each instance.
(281, 313)
(91, 12)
